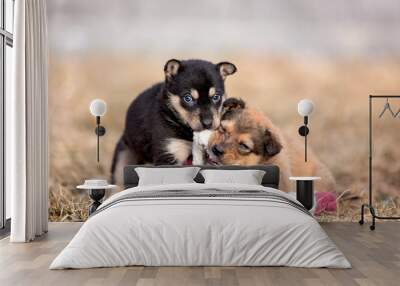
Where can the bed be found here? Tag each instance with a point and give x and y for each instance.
(198, 224)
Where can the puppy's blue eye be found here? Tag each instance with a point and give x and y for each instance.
(188, 98)
(216, 98)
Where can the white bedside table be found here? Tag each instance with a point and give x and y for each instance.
(97, 189)
(305, 190)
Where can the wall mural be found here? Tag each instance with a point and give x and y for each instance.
(229, 78)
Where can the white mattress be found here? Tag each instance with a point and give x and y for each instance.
(189, 231)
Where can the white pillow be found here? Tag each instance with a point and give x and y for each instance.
(248, 177)
(164, 176)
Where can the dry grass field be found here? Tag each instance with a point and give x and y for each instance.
(339, 125)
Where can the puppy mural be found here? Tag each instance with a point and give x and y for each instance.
(160, 122)
(247, 137)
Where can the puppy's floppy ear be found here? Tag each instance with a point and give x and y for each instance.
(271, 144)
(171, 68)
(226, 68)
(233, 104)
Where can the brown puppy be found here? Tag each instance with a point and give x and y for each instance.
(248, 137)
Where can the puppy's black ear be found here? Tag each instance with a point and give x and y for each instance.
(226, 68)
(171, 68)
(233, 104)
(272, 145)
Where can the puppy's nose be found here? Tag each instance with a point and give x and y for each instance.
(207, 122)
(217, 150)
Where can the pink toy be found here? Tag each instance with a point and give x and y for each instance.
(326, 202)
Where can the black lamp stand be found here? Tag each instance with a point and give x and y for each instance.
(304, 131)
(96, 195)
(100, 131)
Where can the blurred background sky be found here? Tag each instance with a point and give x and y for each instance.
(364, 28)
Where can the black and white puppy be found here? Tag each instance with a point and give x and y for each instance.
(160, 121)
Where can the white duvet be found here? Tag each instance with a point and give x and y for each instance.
(183, 231)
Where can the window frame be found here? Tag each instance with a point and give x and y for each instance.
(6, 39)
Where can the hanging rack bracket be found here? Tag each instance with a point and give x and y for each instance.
(370, 206)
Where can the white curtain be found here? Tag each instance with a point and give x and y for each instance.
(26, 123)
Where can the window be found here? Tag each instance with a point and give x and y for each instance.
(6, 43)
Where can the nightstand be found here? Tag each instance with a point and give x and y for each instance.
(305, 190)
(96, 189)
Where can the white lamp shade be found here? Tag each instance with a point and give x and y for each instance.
(305, 107)
(98, 107)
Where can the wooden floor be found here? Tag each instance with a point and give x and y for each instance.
(375, 257)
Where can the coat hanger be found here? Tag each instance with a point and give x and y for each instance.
(387, 107)
(397, 113)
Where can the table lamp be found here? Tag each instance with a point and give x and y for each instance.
(305, 107)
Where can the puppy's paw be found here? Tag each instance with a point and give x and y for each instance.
(203, 137)
(196, 137)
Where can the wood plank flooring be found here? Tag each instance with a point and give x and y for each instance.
(375, 257)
